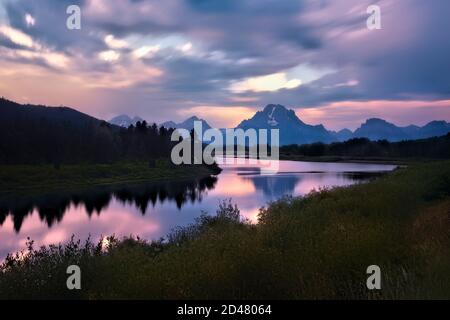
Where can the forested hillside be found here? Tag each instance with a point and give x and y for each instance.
(31, 134)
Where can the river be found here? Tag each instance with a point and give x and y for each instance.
(152, 211)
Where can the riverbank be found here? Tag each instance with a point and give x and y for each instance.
(313, 247)
(348, 159)
(44, 178)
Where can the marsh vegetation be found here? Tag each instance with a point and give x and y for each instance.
(316, 246)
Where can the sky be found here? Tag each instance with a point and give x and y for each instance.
(223, 60)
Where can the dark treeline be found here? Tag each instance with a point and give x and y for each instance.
(432, 148)
(38, 134)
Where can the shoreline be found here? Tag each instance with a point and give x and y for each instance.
(342, 159)
(32, 179)
(364, 160)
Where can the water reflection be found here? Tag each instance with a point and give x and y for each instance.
(153, 210)
(52, 207)
(274, 187)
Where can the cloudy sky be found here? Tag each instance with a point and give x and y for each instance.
(224, 59)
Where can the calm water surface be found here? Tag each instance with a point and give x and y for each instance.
(151, 211)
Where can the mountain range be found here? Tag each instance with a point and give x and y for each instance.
(379, 129)
(125, 121)
(295, 131)
(15, 119)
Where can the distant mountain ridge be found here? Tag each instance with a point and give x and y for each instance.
(125, 121)
(187, 124)
(379, 129)
(294, 131)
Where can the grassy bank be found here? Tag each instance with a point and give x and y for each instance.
(36, 178)
(317, 246)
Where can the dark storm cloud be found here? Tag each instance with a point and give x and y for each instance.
(406, 60)
(50, 27)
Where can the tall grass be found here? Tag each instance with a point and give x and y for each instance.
(312, 247)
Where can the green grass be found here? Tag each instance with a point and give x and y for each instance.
(36, 178)
(312, 247)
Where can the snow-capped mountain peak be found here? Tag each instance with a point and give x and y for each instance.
(271, 120)
(124, 120)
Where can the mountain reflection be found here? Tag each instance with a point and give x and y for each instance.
(52, 207)
(276, 186)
